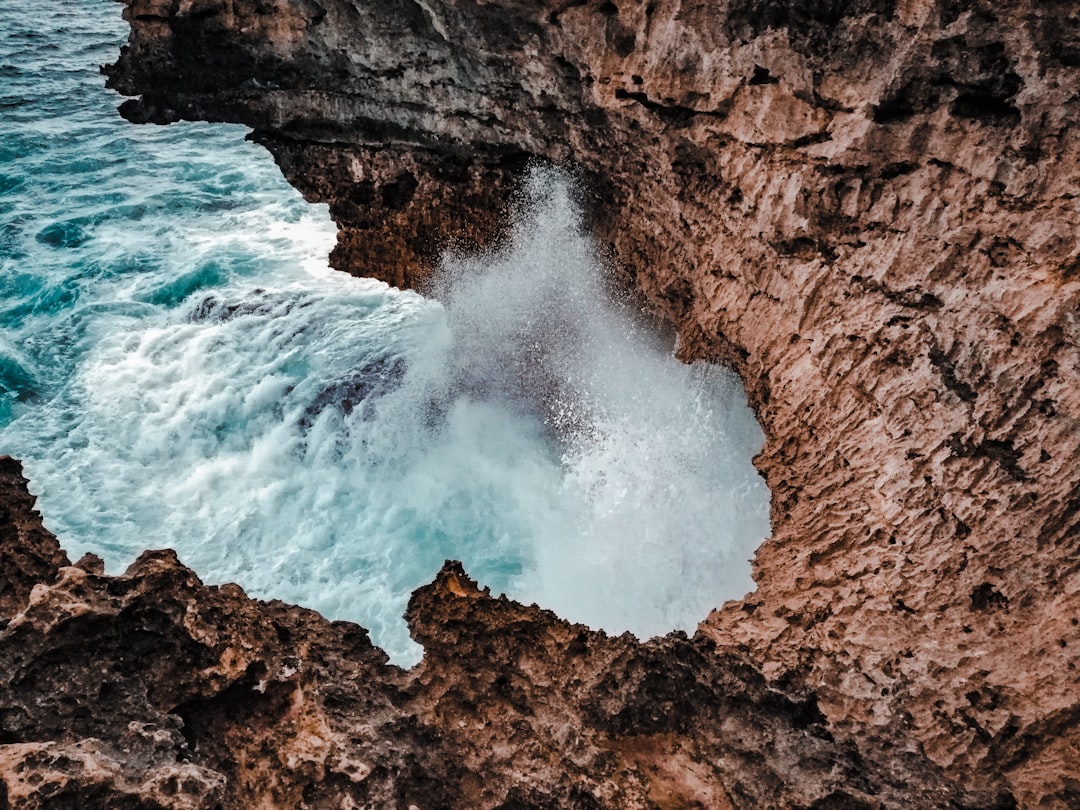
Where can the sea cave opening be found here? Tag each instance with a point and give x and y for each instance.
(201, 380)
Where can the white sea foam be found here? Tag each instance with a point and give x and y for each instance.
(655, 508)
(329, 441)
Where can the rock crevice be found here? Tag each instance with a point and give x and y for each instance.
(869, 209)
(152, 690)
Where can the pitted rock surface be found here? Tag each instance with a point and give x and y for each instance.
(152, 690)
(870, 209)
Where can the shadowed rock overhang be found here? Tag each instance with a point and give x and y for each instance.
(869, 209)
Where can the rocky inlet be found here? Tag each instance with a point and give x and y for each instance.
(868, 209)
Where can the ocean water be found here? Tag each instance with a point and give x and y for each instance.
(179, 368)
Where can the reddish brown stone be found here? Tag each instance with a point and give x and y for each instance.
(29, 553)
(151, 690)
(867, 208)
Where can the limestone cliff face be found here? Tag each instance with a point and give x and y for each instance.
(150, 690)
(869, 208)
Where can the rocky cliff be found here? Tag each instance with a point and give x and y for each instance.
(151, 690)
(867, 207)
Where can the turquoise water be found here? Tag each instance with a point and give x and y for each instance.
(179, 367)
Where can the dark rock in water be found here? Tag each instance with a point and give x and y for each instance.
(62, 235)
(212, 309)
(869, 210)
(91, 563)
(366, 384)
(152, 690)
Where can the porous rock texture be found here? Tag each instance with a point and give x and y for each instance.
(152, 690)
(869, 208)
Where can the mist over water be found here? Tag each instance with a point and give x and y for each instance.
(179, 368)
(653, 510)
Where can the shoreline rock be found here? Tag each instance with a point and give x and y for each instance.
(152, 690)
(868, 209)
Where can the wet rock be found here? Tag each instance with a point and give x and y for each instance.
(152, 690)
(867, 208)
(361, 389)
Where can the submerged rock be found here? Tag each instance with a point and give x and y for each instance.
(869, 210)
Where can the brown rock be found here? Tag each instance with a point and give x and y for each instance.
(29, 553)
(869, 209)
(151, 690)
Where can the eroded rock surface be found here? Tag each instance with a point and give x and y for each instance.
(29, 554)
(869, 208)
(152, 690)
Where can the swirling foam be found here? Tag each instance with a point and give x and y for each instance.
(178, 367)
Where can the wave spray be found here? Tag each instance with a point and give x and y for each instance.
(330, 441)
